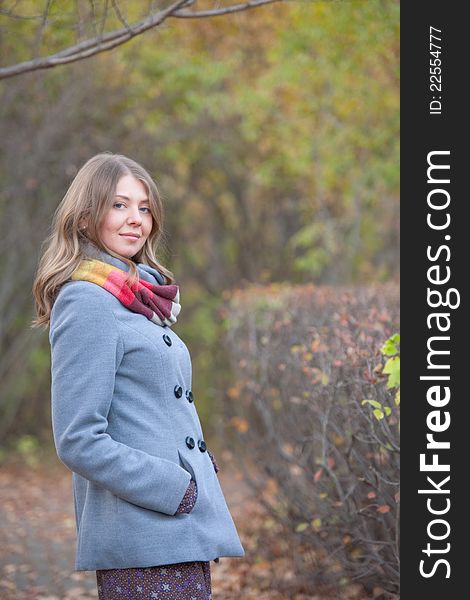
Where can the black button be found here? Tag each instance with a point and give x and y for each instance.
(190, 442)
(189, 396)
(167, 339)
(178, 391)
(202, 445)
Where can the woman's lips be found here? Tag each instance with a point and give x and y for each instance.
(130, 236)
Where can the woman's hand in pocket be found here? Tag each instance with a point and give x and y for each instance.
(189, 499)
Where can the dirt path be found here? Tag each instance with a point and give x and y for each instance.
(37, 537)
(37, 542)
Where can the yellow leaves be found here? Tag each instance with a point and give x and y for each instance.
(338, 440)
(397, 398)
(270, 524)
(316, 523)
(233, 392)
(380, 410)
(240, 424)
(347, 106)
(356, 553)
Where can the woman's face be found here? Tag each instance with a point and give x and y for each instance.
(128, 222)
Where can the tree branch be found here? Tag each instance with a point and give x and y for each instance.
(108, 41)
(117, 10)
(95, 45)
(222, 11)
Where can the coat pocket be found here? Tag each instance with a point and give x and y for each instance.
(189, 500)
(185, 464)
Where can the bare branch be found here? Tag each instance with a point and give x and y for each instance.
(11, 15)
(40, 33)
(108, 41)
(105, 16)
(117, 10)
(222, 11)
(93, 46)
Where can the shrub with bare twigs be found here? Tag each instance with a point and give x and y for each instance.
(315, 409)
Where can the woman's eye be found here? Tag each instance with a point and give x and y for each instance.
(144, 208)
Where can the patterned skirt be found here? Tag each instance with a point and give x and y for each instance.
(179, 581)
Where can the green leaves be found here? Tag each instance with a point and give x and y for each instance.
(379, 410)
(390, 348)
(392, 366)
(392, 369)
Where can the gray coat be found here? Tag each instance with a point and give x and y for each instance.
(120, 427)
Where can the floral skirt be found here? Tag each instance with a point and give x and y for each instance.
(179, 581)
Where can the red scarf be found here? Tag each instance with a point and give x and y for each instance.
(159, 303)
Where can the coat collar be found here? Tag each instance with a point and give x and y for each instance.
(146, 272)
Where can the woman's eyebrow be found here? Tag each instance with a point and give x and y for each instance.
(126, 198)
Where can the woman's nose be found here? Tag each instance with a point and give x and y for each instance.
(135, 216)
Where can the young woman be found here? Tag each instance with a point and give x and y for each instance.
(149, 509)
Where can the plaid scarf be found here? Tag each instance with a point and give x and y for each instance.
(159, 303)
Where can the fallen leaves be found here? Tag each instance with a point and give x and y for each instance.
(37, 543)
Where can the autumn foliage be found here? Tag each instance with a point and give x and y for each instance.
(317, 419)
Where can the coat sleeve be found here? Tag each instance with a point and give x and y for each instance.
(86, 351)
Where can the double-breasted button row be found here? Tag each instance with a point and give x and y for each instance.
(201, 444)
(178, 391)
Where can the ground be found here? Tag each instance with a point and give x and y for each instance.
(37, 541)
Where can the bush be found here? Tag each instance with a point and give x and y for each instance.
(312, 410)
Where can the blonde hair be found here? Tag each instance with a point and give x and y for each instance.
(90, 196)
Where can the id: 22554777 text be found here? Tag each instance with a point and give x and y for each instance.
(435, 70)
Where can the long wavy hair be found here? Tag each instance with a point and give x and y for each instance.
(90, 196)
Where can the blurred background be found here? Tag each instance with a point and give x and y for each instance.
(273, 136)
